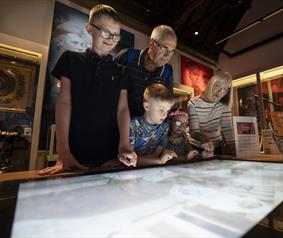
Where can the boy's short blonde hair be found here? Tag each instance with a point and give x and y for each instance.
(158, 91)
(103, 10)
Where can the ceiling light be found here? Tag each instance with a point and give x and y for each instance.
(196, 33)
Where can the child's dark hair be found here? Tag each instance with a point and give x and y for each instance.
(103, 10)
(159, 92)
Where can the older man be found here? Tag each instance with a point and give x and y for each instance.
(144, 67)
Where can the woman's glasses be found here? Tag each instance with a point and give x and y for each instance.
(106, 34)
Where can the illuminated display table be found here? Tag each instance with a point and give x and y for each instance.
(208, 199)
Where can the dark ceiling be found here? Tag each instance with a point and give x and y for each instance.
(212, 19)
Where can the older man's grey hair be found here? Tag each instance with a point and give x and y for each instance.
(163, 31)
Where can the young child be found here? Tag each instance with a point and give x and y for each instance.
(148, 133)
(88, 108)
(178, 140)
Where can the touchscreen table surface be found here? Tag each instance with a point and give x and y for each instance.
(209, 199)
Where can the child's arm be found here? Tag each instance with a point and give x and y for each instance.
(126, 155)
(63, 117)
(159, 156)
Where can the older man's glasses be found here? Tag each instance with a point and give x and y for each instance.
(106, 34)
(164, 49)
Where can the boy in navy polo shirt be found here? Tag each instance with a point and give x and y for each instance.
(90, 108)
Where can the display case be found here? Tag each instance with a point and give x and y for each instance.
(18, 83)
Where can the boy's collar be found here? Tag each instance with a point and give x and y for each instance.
(92, 55)
(146, 123)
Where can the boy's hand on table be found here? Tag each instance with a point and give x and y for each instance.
(128, 157)
(114, 163)
(65, 163)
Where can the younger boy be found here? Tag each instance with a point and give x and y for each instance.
(148, 133)
(88, 108)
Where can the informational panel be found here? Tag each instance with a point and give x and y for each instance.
(246, 136)
(206, 199)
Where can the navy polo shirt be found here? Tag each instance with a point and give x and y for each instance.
(96, 83)
(138, 78)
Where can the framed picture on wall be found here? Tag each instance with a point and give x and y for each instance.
(195, 75)
(17, 80)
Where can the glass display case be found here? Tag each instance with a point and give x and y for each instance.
(18, 82)
(261, 98)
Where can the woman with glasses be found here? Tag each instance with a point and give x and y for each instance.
(210, 113)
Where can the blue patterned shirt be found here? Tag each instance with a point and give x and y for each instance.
(145, 137)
